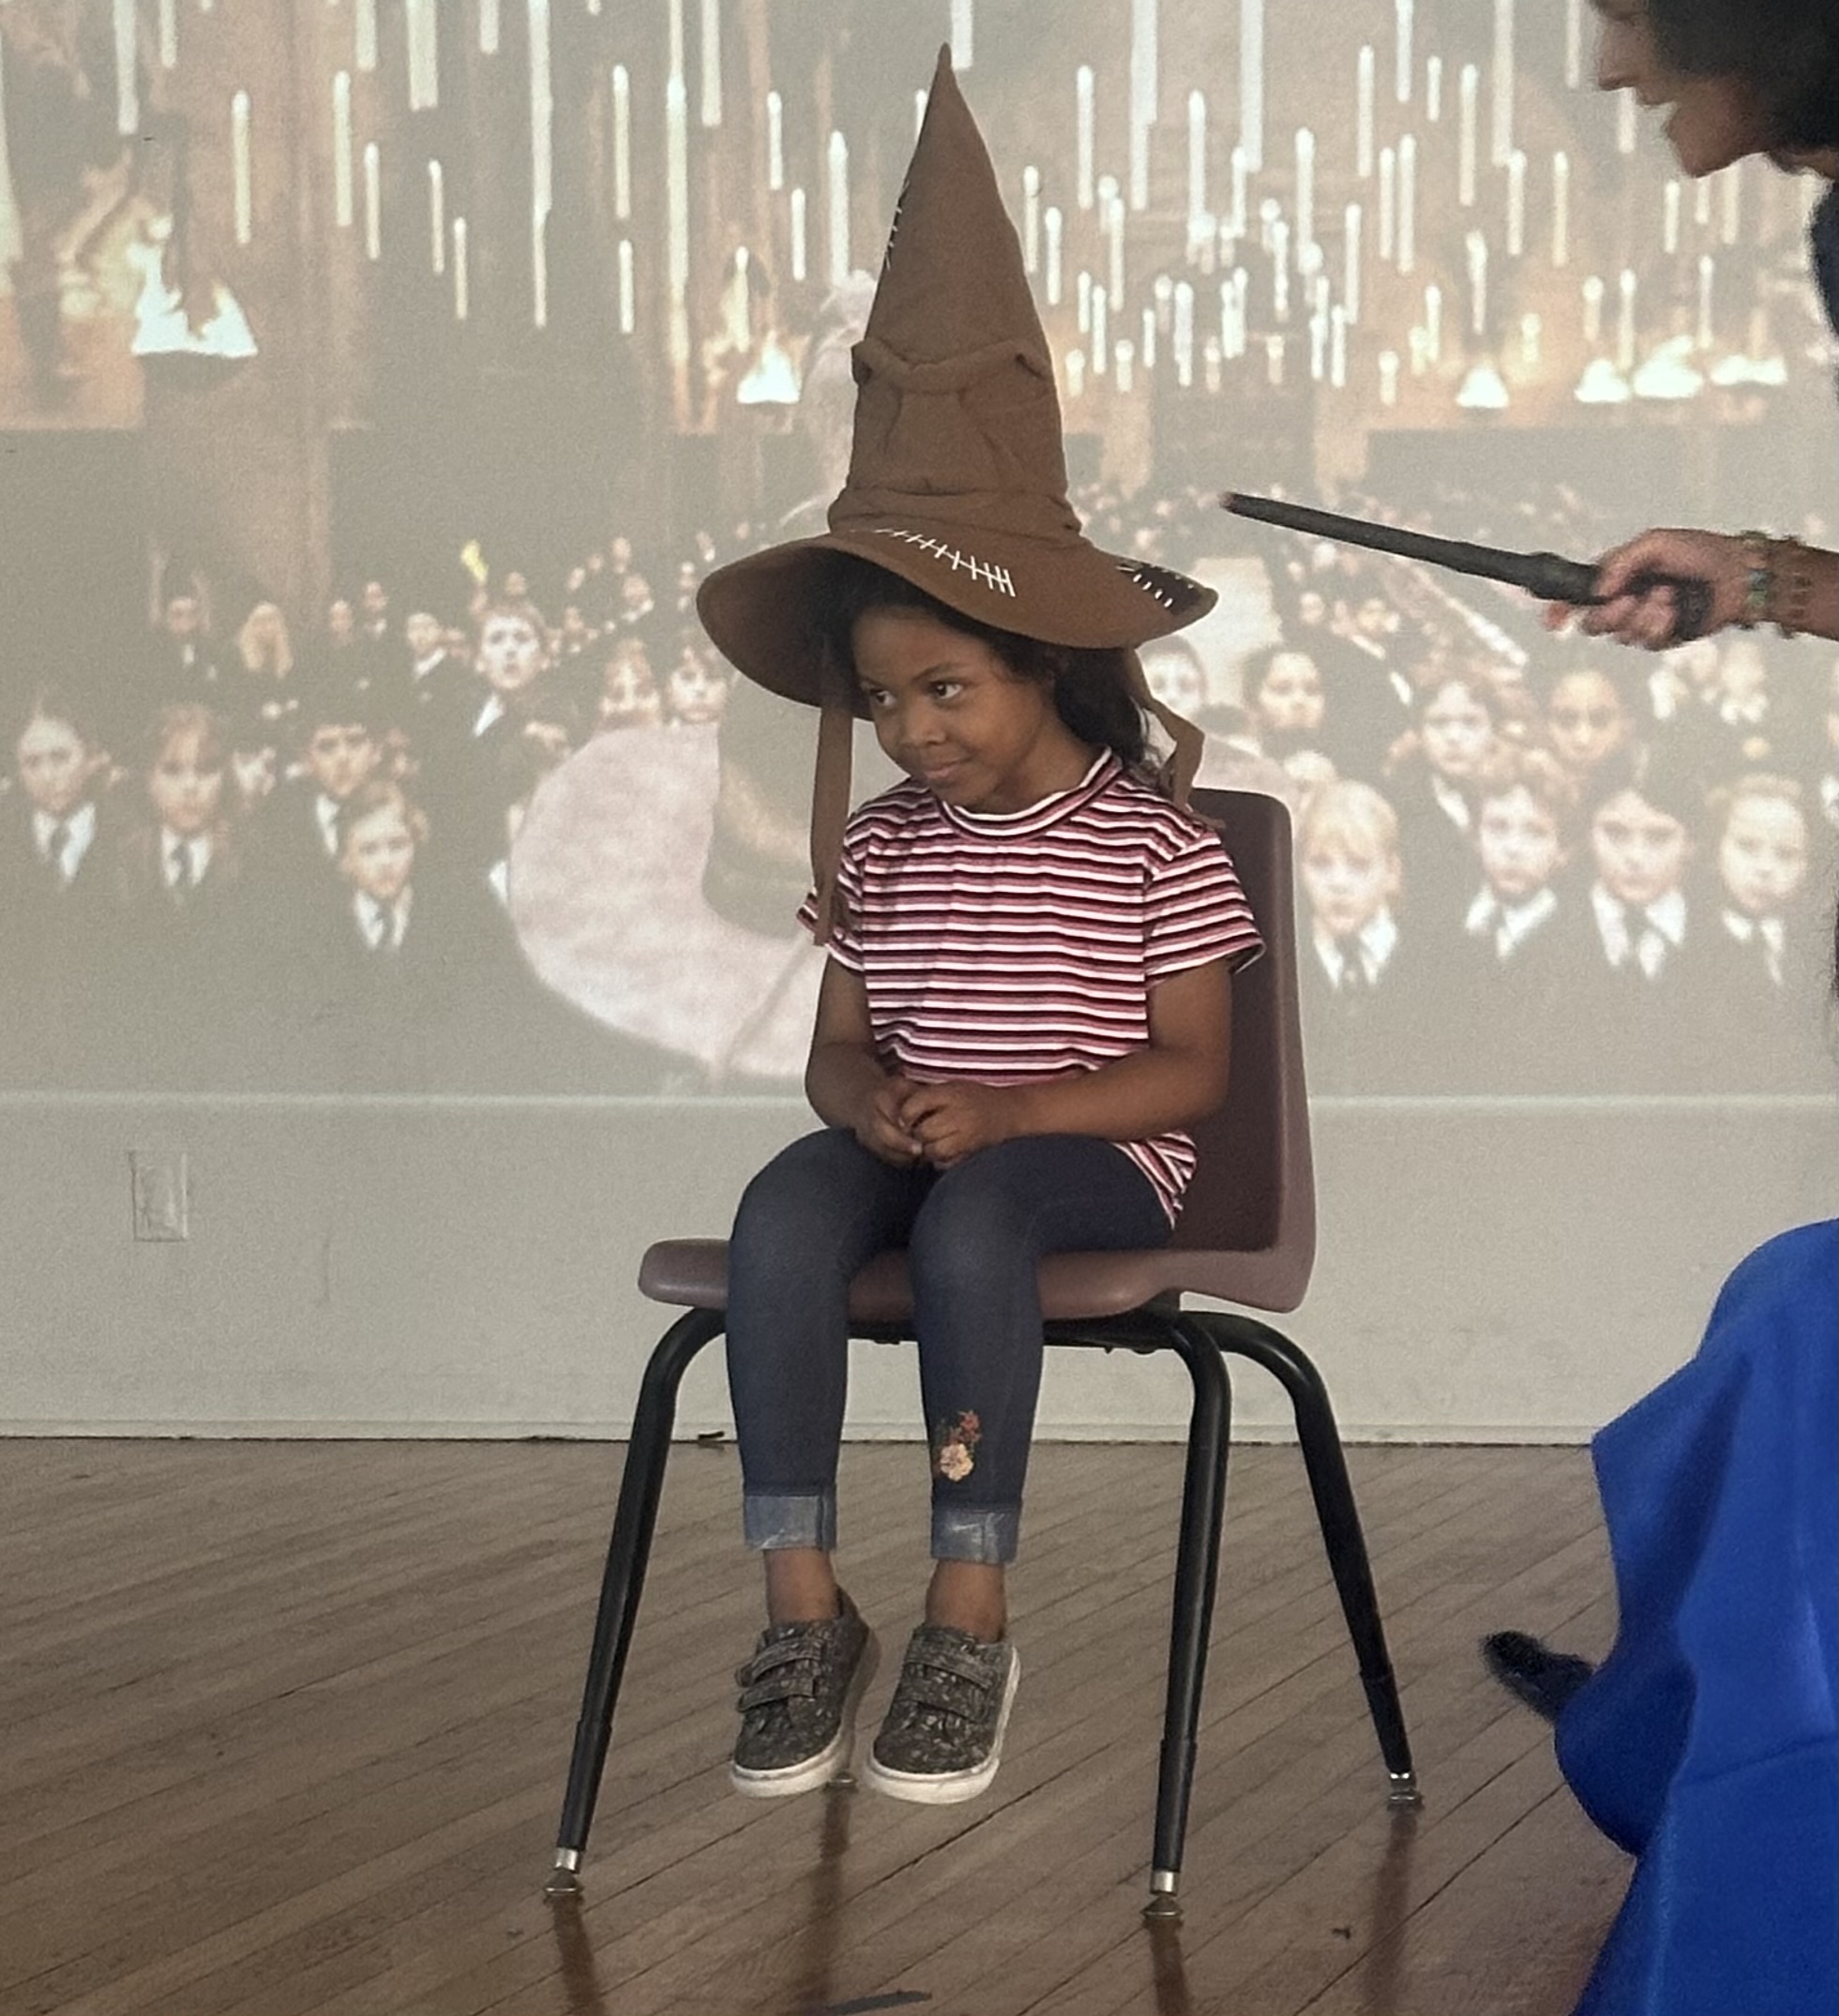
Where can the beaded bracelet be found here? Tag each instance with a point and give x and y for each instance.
(1759, 580)
(1791, 596)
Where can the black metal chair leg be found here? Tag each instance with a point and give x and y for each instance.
(1341, 1533)
(622, 1584)
(1197, 1572)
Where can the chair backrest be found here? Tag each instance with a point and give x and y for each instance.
(1249, 1217)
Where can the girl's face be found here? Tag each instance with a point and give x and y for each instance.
(265, 627)
(1519, 842)
(1640, 851)
(1175, 680)
(1312, 608)
(1763, 855)
(186, 785)
(950, 713)
(511, 653)
(1290, 699)
(1348, 879)
(1586, 719)
(629, 696)
(1711, 121)
(379, 854)
(1458, 731)
(55, 766)
(696, 692)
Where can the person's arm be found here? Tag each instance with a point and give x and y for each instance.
(1177, 1077)
(1721, 560)
(843, 1077)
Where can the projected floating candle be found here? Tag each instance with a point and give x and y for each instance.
(364, 34)
(1593, 293)
(1251, 80)
(800, 261)
(542, 109)
(1240, 170)
(1731, 222)
(1273, 361)
(1418, 343)
(1625, 109)
(1706, 275)
(1053, 227)
(1468, 93)
(1387, 203)
(437, 218)
(1433, 322)
(1350, 274)
(1085, 142)
(710, 40)
(1501, 85)
(1126, 359)
(341, 151)
(1182, 342)
(1388, 378)
(1149, 334)
(1408, 204)
(1305, 187)
(241, 169)
(622, 143)
(676, 190)
(1516, 204)
(628, 290)
(1337, 347)
(1625, 321)
(461, 280)
(1531, 329)
(1561, 209)
(1433, 90)
(775, 142)
(1478, 283)
(1101, 331)
(1031, 218)
(1669, 217)
(1280, 269)
(169, 33)
(1145, 95)
(424, 56)
(1402, 58)
(1111, 218)
(674, 43)
(1082, 293)
(1364, 89)
(490, 28)
(838, 176)
(128, 96)
(964, 34)
(1573, 43)
(1197, 162)
(742, 297)
(1076, 374)
(1701, 202)
(373, 202)
(1317, 348)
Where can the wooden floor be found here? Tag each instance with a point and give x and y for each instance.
(285, 1728)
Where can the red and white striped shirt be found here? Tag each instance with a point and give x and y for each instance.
(1011, 947)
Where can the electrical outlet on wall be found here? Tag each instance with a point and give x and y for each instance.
(163, 1205)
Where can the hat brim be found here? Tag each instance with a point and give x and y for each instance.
(763, 612)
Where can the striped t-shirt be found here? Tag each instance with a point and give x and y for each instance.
(1011, 947)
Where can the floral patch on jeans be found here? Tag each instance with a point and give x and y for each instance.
(953, 1446)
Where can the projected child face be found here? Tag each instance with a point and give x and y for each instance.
(1349, 878)
(511, 653)
(423, 634)
(1519, 845)
(1711, 121)
(339, 758)
(1762, 858)
(186, 784)
(628, 692)
(379, 854)
(182, 618)
(1290, 699)
(1458, 730)
(1175, 680)
(696, 692)
(1586, 719)
(55, 766)
(1640, 851)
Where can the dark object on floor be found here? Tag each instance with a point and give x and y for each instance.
(1533, 1673)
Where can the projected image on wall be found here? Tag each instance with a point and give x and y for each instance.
(379, 381)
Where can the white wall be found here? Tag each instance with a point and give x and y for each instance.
(465, 1268)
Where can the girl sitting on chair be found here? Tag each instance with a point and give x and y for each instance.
(1027, 997)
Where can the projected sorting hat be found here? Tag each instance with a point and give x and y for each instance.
(956, 480)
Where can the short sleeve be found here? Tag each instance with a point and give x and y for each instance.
(845, 945)
(1195, 912)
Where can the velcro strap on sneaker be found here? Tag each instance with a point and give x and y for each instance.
(784, 1653)
(782, 1686)
(923, 1687)
(962, 1666)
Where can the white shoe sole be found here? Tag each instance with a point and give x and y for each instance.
(830, 1762)
(948, 1788)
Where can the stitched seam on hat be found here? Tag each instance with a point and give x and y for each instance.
(986, 571)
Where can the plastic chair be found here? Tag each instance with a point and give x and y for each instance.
(1247, 1235)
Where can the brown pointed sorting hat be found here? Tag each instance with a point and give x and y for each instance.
(957, 477)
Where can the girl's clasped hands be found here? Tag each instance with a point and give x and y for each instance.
(904, 1123)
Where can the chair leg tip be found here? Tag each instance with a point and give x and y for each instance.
(1164, 1906)
(565, 1881)
(1402, 1789)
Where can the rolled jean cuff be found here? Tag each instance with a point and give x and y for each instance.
(985, 1533)
(790, 1519)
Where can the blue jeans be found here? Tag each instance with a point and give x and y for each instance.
(974, 1234)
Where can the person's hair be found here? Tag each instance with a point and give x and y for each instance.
(499, 610)
(1441, 676)
(1510, 767)
(187, 718)
(1348, 810)
(1088, 687)
(335, 706)
(1755, 784)
(1256, 667)
(1652, 773)
(250, 651)
(56, 703)
(1786, 50)
(379, 795)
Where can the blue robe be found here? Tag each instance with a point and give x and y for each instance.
(1704, 1745)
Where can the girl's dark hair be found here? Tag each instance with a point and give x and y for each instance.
(1090, 691)
(1787, 51)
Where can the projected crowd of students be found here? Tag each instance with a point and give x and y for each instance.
(1525, 864)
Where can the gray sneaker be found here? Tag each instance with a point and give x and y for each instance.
(798, 1702)
(942, 1738)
